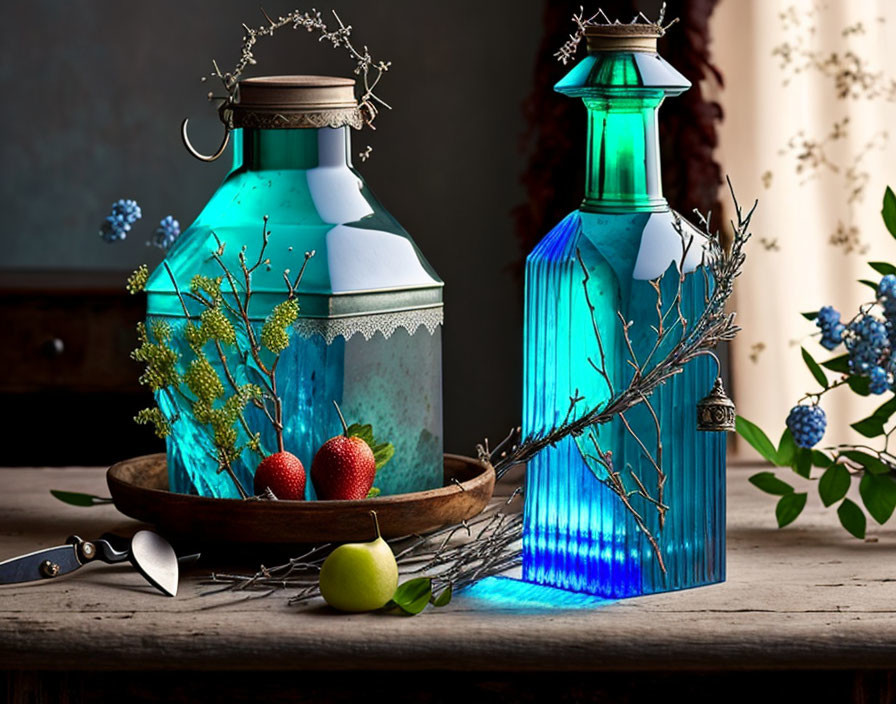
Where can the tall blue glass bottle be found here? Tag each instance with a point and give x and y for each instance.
(578, 533)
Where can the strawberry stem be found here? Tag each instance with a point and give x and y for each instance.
(376, 524)
(341, 419)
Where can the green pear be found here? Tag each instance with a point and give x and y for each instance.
(360, 576)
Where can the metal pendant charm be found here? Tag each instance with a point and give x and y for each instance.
(715, 413)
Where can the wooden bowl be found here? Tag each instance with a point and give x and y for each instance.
(139, 489)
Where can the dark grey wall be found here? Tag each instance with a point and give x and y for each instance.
(94, 93)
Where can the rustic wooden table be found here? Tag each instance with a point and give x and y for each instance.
(808, 607)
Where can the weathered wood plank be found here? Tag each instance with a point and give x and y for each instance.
(805, 597)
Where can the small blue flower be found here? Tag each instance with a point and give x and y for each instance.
(807, 425)
(166, 233)
(118, 222)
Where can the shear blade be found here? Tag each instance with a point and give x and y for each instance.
(155, 559)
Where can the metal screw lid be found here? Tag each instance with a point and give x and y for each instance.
(286, 102)
(622, 37)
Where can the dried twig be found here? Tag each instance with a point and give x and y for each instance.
(712, 327)
(460, 555)
(367, 68)
(567, 52)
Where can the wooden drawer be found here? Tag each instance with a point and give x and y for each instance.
(68, 338)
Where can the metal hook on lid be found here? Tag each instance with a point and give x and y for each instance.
(194, 152)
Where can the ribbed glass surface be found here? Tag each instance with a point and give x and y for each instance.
(578, 534)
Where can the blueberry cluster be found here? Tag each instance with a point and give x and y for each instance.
(886, 295)
(166, 233)
(118, 222)
(807, 425)
(831, 328)
(870, 339)
(867, 343)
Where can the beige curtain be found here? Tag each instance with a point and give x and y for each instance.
(809, 103)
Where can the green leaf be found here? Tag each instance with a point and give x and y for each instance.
(803, 464)
(365, 432)
(382, 452)
(838, 364)
(810, 316)
(770, 484)
(820, 459)
(374, 492)
(869, 462)
(870, 284)
(413, 596)
(852, 518)
(77, 499)
(873, 425)
(870, 427)
(886, 410)
(757, 439)
(883, 267)
(860, 385)
(878, 493)
(814, 368)
(888, 211)
(444, 597)
(789, 507)
(834, 484)
(786, 454)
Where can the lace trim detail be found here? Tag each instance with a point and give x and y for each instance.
(369, 325)
(337, 117)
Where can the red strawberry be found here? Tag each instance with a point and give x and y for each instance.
(344, 466)
(283, 474)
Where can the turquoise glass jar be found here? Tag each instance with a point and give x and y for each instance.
(368, 334)
(578, 534)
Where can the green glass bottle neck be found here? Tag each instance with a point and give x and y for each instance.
(623, 161)
(291, 149)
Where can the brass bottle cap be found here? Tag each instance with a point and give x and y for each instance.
(289, 102)
(622, 37)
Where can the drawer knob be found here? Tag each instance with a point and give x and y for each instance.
(54, 347)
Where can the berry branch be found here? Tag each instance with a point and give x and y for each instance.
(868, 367)
(712, 327)
(212, 316)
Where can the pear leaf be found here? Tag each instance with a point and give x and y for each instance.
(444, 597)
(413, 596)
